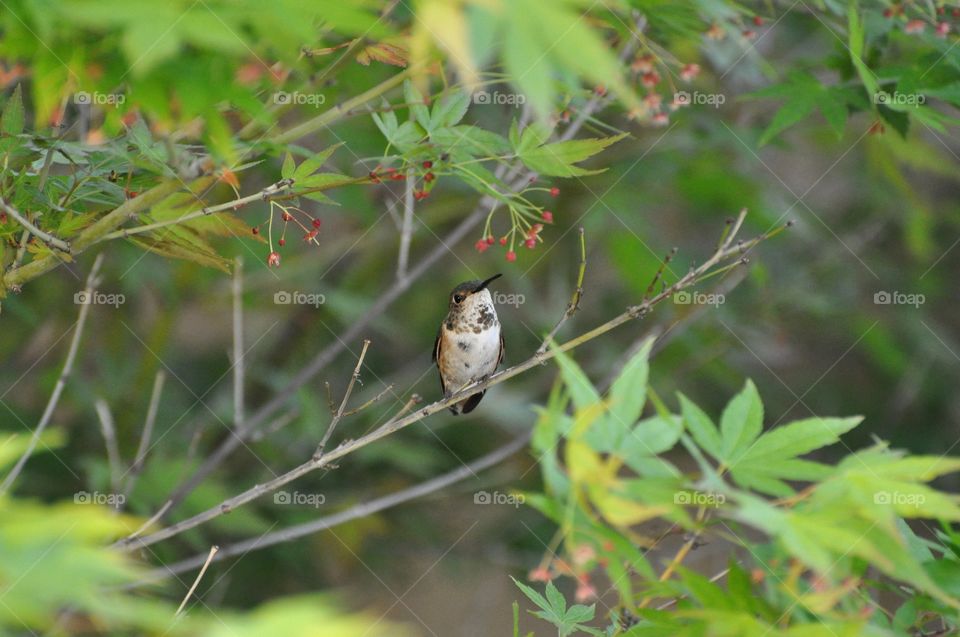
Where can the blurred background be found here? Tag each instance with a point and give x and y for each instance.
(848, 312)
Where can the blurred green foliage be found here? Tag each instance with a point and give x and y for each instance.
(821, 121)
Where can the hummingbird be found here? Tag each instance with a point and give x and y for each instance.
(469, 345)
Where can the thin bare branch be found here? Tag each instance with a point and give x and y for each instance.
(213, 552)
(109, 431)
(386, 390)
(153, 520)
(574, 300)
(278, 423)
(238, 363)
(354, 512)
(398, 423)
(343, 403)
(406, 226)
(62, 380)
(138, 461)
(46, 237)
(270, 192)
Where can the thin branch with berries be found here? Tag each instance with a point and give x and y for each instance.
(730, 255)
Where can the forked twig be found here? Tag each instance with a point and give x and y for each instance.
(343, 403)
(574, 300)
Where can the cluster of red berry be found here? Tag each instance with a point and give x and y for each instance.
(917, 25)
(424, 175)
(584, 558)
(310, 229)
(529, 233)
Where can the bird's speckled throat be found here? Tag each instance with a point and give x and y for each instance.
(475, 314)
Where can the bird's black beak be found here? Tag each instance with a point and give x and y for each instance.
(484, 284)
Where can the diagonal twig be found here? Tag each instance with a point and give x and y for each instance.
(138, 460)
(61, 381)
(109, 431)
(46, 237)
(343, 403)
(354, 512)
(238, 363)
(574, 300)
(186, 598)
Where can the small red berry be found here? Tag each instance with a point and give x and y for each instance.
(282, 242)
(490, 240)
(286, 216)
(757, 20)
(255, 230)
(398, 176)
(888, 13)
(428, 177)
(511, 256)
(428, 164)
(914, 26)
(316, 223)
(480, 245)
(274, 259)
(537, 227)
(650, 79)
(530, 243)
(374, 177)
(547, 216)
(554, 192)
(503, 241)
(420, 194)
(310, 235)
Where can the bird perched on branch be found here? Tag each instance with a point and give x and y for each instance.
(469, 345)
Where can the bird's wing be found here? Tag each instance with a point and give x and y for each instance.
(436, 359)
(500, 357)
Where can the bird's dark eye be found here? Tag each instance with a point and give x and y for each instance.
(457, 298)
